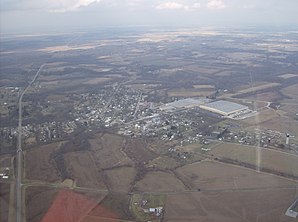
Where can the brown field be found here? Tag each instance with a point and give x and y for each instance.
(206, 87)
(266, 96)
(71, 206)
(38, 201)
(106, 151)
(181, 92)
(83, 169)
(39, 165)
(5, 160)
(225, 73)
(49, 83)
(230, 206)
(45, 204)
(201, 70)
(95, 81)
(120, 179)
(139, 151)
(282, 124)
(54, 98)
(163, 162)
(291, 90)
(158, 181)
(256, 88)
(112, 206)
(290, 108)
(270, 159)
(4, 201)
(262, 117)
(213, 175)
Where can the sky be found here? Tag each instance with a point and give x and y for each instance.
(40, 16)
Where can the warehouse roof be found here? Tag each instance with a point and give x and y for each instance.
(184, 103)
(224, 106)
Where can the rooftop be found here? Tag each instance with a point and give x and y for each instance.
(225, 106)
(189, 102)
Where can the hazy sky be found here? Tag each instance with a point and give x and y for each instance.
(66, 15)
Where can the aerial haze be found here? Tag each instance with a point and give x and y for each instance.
(39, 16)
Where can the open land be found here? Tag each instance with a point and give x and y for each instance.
(100, 131)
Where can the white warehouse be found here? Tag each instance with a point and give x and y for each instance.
(225, 108)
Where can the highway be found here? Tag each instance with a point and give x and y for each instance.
(19, 156)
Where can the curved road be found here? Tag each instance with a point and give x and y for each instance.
(19, 156)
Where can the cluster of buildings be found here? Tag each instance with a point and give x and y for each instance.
(39, 133)
(224, 108)
(4, 173)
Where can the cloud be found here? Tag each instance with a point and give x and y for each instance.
(175, 5)
(171, 5)
(196, 5)
(69, 5)
(216, 4)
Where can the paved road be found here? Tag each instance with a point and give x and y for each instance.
(19, 156)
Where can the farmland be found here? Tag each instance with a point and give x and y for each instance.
(236, 206)
(270, 160)
(112, 128)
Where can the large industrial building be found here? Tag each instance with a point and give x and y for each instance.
(225, 108)
(184, 103)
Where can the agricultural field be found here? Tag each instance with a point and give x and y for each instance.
(262, 117)
(231, 206)
(4, 201)
(44, 204)
(39, 163)
(182, 92)
(5, 160)
(107, 152)
(257, 88)
(159, 181)
(272, 160)
(38, 202)
(83, 170)
(112, 206)
(210, 175)
(120, 179)
(163, 162)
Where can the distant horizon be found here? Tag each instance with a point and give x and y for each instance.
(140, 28)
(49, 16)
